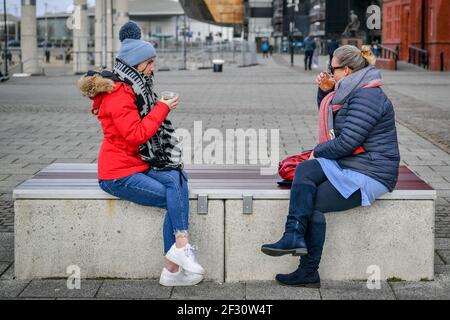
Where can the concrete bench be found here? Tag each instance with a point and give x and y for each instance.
(62, 218)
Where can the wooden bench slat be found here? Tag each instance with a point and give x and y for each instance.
(214, 180)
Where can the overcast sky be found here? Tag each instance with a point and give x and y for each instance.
(53, 5)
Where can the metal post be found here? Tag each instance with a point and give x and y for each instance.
(99, 33)
(46, 27)
(6, 38)
(291, 30)
(105, 36)
(422, 37)
(293, 5)
(17, 23)
(177, 28)
(184, 45)
(112, 14)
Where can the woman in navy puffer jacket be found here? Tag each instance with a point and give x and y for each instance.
(358, 164)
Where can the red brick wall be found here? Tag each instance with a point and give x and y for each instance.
(402, 23)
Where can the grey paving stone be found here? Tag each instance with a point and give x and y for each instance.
(354, 290)
(273, 291)
(35, 299)
(438, 260)
(210, 291)
(445, 255)
(442, 269)
(133, 289)
(442, 244)
(424, 290)
(441, 168)
(6, 196)
(6, 254)
(3, 267)
(8, 274)
(58, 289)
(6, 240)
(11, 288)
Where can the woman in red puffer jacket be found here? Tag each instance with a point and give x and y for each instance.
(121, 170)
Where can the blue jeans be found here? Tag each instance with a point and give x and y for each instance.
(162, 189)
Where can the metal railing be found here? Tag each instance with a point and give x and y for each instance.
(389, 53)
(201, 56)
(419, 57)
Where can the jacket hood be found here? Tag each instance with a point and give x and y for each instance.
(94, 85)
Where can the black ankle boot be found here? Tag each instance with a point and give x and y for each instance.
(290, 243)
(300, 278)
(300, 209)
(307, 274)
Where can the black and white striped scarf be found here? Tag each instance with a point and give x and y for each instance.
(162, 151)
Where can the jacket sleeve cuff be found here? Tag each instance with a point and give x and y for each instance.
(162, 105)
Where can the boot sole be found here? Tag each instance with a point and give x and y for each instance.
(279, 252)
(306, 285)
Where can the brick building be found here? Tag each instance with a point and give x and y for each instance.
(423, 24)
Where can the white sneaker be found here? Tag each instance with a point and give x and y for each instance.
(180, 278)
(185, 258)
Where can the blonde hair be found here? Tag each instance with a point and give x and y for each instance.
(367, 54)
(355, 58)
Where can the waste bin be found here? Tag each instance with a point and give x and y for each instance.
(218, 65)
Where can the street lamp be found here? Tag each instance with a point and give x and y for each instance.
(293, 6)
(16, 27)
(6, 38)
(46, 28)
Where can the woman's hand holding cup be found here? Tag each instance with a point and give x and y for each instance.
(171, 99)
(325, 81)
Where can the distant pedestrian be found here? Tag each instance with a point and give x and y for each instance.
(47, 56)
(9, 57)
(68, 55)
(271, 50)
(331, 48)
(317, 52)
(309, 46)
(265, 49)
(91, 58)
(374, 49)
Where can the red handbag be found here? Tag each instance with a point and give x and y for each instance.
(286, 168)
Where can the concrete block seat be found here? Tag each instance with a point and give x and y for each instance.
(62, 218)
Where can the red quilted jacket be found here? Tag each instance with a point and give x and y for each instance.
(124, 131)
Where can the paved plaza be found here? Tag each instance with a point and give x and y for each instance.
(44, 120)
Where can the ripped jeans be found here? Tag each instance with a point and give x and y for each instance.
(162, 189)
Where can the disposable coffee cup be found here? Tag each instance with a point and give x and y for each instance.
(169, 95)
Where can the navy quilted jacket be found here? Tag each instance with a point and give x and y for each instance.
(367, 119)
